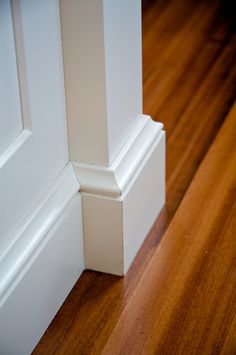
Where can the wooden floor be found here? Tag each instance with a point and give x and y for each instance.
(179, 297)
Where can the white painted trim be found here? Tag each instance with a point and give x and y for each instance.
(31, 233)
(21, 65)
(115, 226)
(44, 283)
(112, 180)
(117, 152)
(41, 265)
(101, 42)
(13, 147)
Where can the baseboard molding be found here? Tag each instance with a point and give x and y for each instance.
(112, 181)
(121, 202)
(41, 265)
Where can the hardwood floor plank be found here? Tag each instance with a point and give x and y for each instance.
(179, 296)
(203, 115)
(230, 341)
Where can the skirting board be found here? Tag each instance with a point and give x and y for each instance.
(118, 215)
(37, 276)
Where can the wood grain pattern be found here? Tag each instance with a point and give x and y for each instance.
(179, 295)
(186, 300)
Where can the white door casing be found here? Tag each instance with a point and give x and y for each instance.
(117, 152)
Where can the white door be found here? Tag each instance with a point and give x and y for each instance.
(41, 239)
(33, 137)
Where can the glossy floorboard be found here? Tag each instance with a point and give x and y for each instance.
(179, 297)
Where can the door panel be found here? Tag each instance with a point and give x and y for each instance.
(10, 107)
(35, 157)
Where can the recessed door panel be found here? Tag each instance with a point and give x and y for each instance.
(38, 153)
(10, 107)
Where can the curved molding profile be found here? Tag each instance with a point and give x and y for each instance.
(111, 181)
(30, 236)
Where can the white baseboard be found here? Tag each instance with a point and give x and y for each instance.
(121, 202)
(40, 267)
